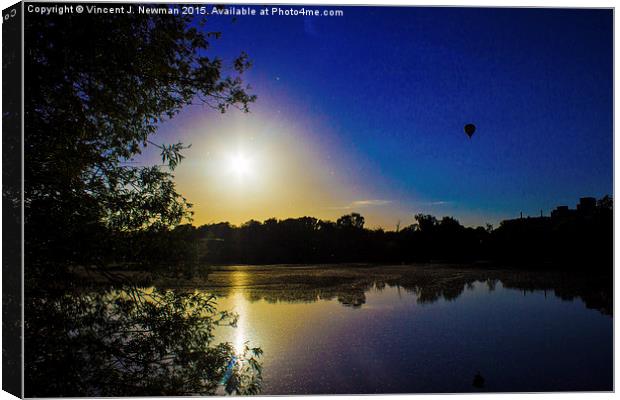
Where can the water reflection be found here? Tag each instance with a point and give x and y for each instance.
(324, 330)
(132, 341)
(429, 284)
(421, 330)
(239, 279)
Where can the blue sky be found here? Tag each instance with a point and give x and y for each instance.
(386, 92)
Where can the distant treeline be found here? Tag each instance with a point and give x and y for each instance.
(581, 238)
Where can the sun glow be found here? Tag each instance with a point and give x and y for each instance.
(249, 167)
(240, 165)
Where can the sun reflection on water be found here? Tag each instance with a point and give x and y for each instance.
(239, 280)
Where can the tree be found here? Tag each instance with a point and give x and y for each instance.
(605, 203)
(426, 223)
(353, 220)
(97, 88)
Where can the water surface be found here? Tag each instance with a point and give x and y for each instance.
(419, 329)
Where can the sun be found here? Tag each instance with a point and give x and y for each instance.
(240, 165)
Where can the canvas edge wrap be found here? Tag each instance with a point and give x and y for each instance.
(12, 200)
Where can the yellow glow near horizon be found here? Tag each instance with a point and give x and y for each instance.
(248, 167)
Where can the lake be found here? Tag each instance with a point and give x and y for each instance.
(328, 329)
(420, 329)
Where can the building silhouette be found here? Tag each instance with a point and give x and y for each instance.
(585, 207)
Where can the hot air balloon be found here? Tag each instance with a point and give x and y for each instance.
(470, 129)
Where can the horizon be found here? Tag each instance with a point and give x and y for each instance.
(317, 143)
(391, 229)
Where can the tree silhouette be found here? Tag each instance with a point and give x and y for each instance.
(353, 220)
(97, 87)
(520, 243)
(93, 102)
(425, 223)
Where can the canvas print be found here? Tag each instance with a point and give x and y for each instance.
(230, 199)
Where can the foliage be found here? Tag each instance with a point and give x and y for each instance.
(353, 221)
(581, 237)
(97, 88)
(133, 342)
(93, 101)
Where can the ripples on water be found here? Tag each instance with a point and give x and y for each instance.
(335, 329)
(397, 330)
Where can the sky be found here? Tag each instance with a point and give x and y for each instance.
(365, 113)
